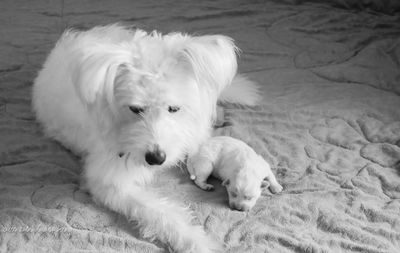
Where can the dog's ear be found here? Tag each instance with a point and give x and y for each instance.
(95, 71)
(213, 60)
(226, 182)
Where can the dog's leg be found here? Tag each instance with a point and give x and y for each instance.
(121, 189)
(158, 218)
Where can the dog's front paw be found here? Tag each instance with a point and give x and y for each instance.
(200, 243)
(206, 249)
(276, 188)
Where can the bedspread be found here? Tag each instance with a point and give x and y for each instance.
(329, 125)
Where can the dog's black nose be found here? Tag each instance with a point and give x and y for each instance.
(156, 157)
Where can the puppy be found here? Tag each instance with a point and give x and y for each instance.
(242, 171)
(132, 103)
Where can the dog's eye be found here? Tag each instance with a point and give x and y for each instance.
(136, 109)
(234, 195)
(173, 109)
(247, 197)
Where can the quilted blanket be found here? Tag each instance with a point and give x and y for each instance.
(329, 125)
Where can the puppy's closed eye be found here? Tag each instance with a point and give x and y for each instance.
(248, 197)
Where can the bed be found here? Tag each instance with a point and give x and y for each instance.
(329, 125)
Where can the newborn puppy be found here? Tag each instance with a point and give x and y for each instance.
(243, 172)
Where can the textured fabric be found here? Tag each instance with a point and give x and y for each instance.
(385, 6)
(329, 125)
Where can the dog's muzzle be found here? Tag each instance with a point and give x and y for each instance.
(156, 157)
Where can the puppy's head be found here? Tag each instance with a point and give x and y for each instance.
(243, 190)
(155, 97)
(245, 187)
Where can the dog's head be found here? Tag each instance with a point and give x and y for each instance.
(154, 97)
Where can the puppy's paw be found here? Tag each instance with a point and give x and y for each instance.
(204, 186)
(275, 188)
(208, 187)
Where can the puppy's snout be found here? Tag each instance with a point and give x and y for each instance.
(239, 207)
(156, 157)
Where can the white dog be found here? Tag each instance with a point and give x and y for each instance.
(243, 172)
(132, 103)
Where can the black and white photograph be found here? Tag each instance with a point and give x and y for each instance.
(184, 126)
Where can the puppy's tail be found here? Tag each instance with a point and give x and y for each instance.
(242, 91)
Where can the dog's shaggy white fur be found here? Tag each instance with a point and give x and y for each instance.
(243, 172)
(132, 103)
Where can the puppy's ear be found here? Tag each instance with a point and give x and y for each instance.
(226, 182)
(213, 60)
(95, 70)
